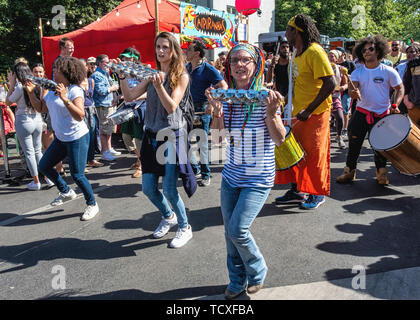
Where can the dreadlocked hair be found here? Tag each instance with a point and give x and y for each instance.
(310, 32)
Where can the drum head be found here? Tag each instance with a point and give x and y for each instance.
(389, 132)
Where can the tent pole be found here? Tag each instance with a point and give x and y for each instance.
(40, 39)
(157, 17)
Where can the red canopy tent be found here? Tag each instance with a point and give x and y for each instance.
(132, 27)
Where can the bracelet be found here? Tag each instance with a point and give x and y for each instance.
(394, 106)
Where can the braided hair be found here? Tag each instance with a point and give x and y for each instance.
(310, 32)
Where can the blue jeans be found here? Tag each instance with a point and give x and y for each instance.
(76, 153)
(204, 145)
(240, 206)
(170, 193)
(92, 136)
(345, 102)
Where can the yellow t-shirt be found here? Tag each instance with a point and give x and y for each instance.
(395, 59)
(308, 68)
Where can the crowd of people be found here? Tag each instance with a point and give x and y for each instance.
(348, 91)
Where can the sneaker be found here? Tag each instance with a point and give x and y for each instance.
(64, 196)
(198, 175)
(291, 197)
(114, 152)
(205, 182)
(107, 156)
(90, 212)
(182, 236)
(312, 202)
(164, 226)
(344, 133)
(49, 182)
(341, 143)
(34, 186)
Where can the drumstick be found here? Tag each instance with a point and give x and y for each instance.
(345, 72)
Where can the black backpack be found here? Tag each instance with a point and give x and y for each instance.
(187, 107)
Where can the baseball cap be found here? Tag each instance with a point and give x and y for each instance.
(91, 60)
(282, 39)
(340, 49)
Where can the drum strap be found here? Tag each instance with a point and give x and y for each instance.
(370, 115)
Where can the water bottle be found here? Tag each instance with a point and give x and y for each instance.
(3, 94)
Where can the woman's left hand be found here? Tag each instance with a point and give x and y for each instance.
(62, 91)
(157, 80)
(274, 101)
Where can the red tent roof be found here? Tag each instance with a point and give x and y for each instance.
(133, 27)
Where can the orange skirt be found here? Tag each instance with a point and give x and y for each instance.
(312, 174)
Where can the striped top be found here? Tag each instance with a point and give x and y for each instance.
(250, 157)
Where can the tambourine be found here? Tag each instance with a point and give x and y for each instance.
(132, 69)
(42, 82)
(240, 96)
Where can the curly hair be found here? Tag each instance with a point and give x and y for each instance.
(310, 32)
(72, 68)
(177, 66)
(379, 42)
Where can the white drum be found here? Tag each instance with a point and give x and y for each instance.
(398, 140)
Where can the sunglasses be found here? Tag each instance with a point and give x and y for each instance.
(244, 60)
(371, 49)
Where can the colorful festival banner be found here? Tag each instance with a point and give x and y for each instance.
(202, 22)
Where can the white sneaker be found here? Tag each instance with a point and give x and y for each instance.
(107, 156)
(164, 226)
(34, 186)
(341, 143)
(90, 212)
(62, 197)
(114, 152)
(49, 182)
(182, 236)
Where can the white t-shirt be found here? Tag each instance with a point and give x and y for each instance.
(375, 85)
(18, 97)
(65, 127)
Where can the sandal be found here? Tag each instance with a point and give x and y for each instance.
(137, 174)
(135, 166)
(95, 164)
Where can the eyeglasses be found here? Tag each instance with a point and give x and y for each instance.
(412, 52)
(371, 49)
(395, 45)
(244, 60)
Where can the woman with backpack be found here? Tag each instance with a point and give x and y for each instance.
(167, 96)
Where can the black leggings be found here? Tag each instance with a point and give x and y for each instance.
(358, 130)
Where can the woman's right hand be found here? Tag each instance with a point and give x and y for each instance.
(29, 86)
(214, 105)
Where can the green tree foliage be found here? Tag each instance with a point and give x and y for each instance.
(394, 19)
(19, 32)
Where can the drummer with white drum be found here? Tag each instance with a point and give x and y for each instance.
(372, 83)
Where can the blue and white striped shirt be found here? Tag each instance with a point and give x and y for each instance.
(250, 161)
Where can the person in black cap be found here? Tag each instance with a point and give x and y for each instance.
(278, 68)
(345, 98)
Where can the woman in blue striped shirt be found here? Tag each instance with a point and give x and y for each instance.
(248, 174)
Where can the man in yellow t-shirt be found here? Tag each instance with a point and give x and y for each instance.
(313, 83)
(396, 55)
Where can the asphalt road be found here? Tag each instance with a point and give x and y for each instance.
(50, 253)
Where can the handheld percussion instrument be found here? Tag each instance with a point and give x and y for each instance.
(42, 82)
(132, 69)
(240, 96)
(124, 113)
(398, 140)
